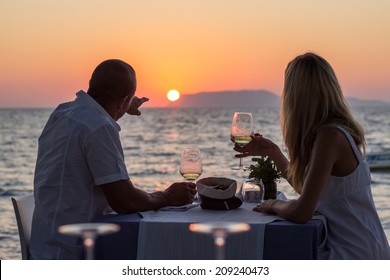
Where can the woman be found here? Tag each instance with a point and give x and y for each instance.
(326, 149)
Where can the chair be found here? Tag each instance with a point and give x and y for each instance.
(24, 209)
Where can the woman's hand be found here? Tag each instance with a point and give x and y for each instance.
(135, 104)
(259, 146)
(265, 206)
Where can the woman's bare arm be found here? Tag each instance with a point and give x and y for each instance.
(329, 147)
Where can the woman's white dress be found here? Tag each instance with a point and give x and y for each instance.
(354, 228)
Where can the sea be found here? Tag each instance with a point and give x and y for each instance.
(152, 145)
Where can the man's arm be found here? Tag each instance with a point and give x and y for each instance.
(124, 198)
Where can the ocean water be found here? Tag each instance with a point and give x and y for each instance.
(152, 145)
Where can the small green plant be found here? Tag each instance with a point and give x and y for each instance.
(264, 169)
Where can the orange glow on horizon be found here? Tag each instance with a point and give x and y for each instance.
(47, 55)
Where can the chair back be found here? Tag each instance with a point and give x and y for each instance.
(24, 209)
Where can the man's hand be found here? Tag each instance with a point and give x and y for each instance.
(135, 104)
(180, 193)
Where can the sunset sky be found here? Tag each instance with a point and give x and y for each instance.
(49, 48)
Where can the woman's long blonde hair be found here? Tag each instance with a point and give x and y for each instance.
(312, 98)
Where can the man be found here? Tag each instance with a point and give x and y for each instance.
(80, 171)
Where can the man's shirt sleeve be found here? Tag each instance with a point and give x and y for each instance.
(105, 156)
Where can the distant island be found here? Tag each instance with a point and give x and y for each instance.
(228, 99)
(356, 102)
(248, 99)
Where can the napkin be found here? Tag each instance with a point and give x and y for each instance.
(179, 208)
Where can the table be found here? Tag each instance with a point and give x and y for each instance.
(278, 239)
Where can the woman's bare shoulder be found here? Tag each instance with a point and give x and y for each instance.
(330, 134)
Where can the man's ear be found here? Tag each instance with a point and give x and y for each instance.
(116, 108)
(119, 103)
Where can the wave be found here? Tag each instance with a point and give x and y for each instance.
(8, 192)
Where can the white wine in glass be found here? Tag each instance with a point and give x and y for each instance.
(242, 129)
(191, 164)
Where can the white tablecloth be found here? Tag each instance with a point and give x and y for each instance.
(166, 234)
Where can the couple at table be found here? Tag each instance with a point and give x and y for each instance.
(80, 169)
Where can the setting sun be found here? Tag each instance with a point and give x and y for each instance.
(173, 95)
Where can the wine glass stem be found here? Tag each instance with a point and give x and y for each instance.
(89, 244)
(240, 166)
(196, 196)
(219, 240)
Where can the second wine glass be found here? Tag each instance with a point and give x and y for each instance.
(191, 164)
(242, 129)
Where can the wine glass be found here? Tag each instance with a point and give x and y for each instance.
(219, 231)
(242, 129)
(191, 165)
(89, 232)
